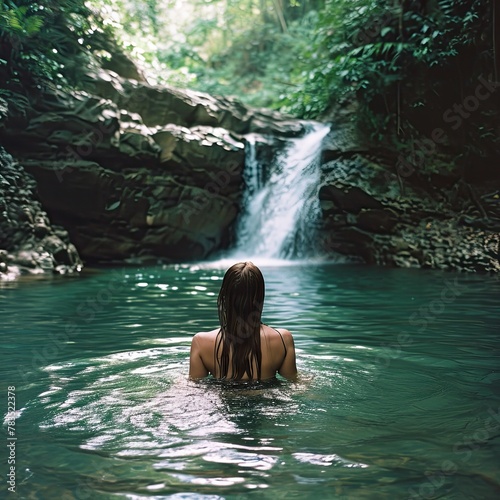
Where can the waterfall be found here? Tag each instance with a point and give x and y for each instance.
(280, 210)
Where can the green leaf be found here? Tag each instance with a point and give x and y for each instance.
(20, 12)
(13, 22)
(33, 24)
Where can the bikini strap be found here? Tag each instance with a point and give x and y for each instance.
(282, 340)
(281, 337)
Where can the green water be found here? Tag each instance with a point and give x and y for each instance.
(399, 397)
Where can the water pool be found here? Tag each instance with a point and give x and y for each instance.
(399, 395)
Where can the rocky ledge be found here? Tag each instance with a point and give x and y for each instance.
(135, 173)
(30, 243)
(407, 220)
(140, 174)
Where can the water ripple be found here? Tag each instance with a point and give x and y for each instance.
(389, 390)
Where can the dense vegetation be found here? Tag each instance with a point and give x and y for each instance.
(421, 71)
(44, 42)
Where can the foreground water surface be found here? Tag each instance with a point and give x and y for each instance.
(399, 394)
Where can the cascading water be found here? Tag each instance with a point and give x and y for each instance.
(278, 211)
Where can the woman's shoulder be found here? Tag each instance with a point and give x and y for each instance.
(280, 334)
(210, 335)
(281, 331)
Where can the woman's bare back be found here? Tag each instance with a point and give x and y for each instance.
(277, 349)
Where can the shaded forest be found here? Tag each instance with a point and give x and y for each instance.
(422, 73)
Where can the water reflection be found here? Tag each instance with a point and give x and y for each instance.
(395, 373)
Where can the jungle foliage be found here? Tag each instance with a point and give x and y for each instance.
(412, 66)
(48, 41)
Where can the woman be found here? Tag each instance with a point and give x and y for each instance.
(242, 348)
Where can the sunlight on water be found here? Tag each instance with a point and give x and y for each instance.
(399, 395)
(259, 261)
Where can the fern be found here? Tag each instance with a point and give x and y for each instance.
(17, 21)
(33, 24)
(41, 41)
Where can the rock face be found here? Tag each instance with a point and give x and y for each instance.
(158, 106)
(29, 243)
(408, 220)
(137, 173)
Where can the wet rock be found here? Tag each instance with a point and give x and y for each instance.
(29, 243)
(376, 221)
(163, 105)
(140, 173)
(369, 213)
(124, 189)
(350, 199)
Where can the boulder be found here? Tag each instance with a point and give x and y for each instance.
(373, 215)
(29, 242)
(136, 172)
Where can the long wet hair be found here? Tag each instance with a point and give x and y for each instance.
(240, 303)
